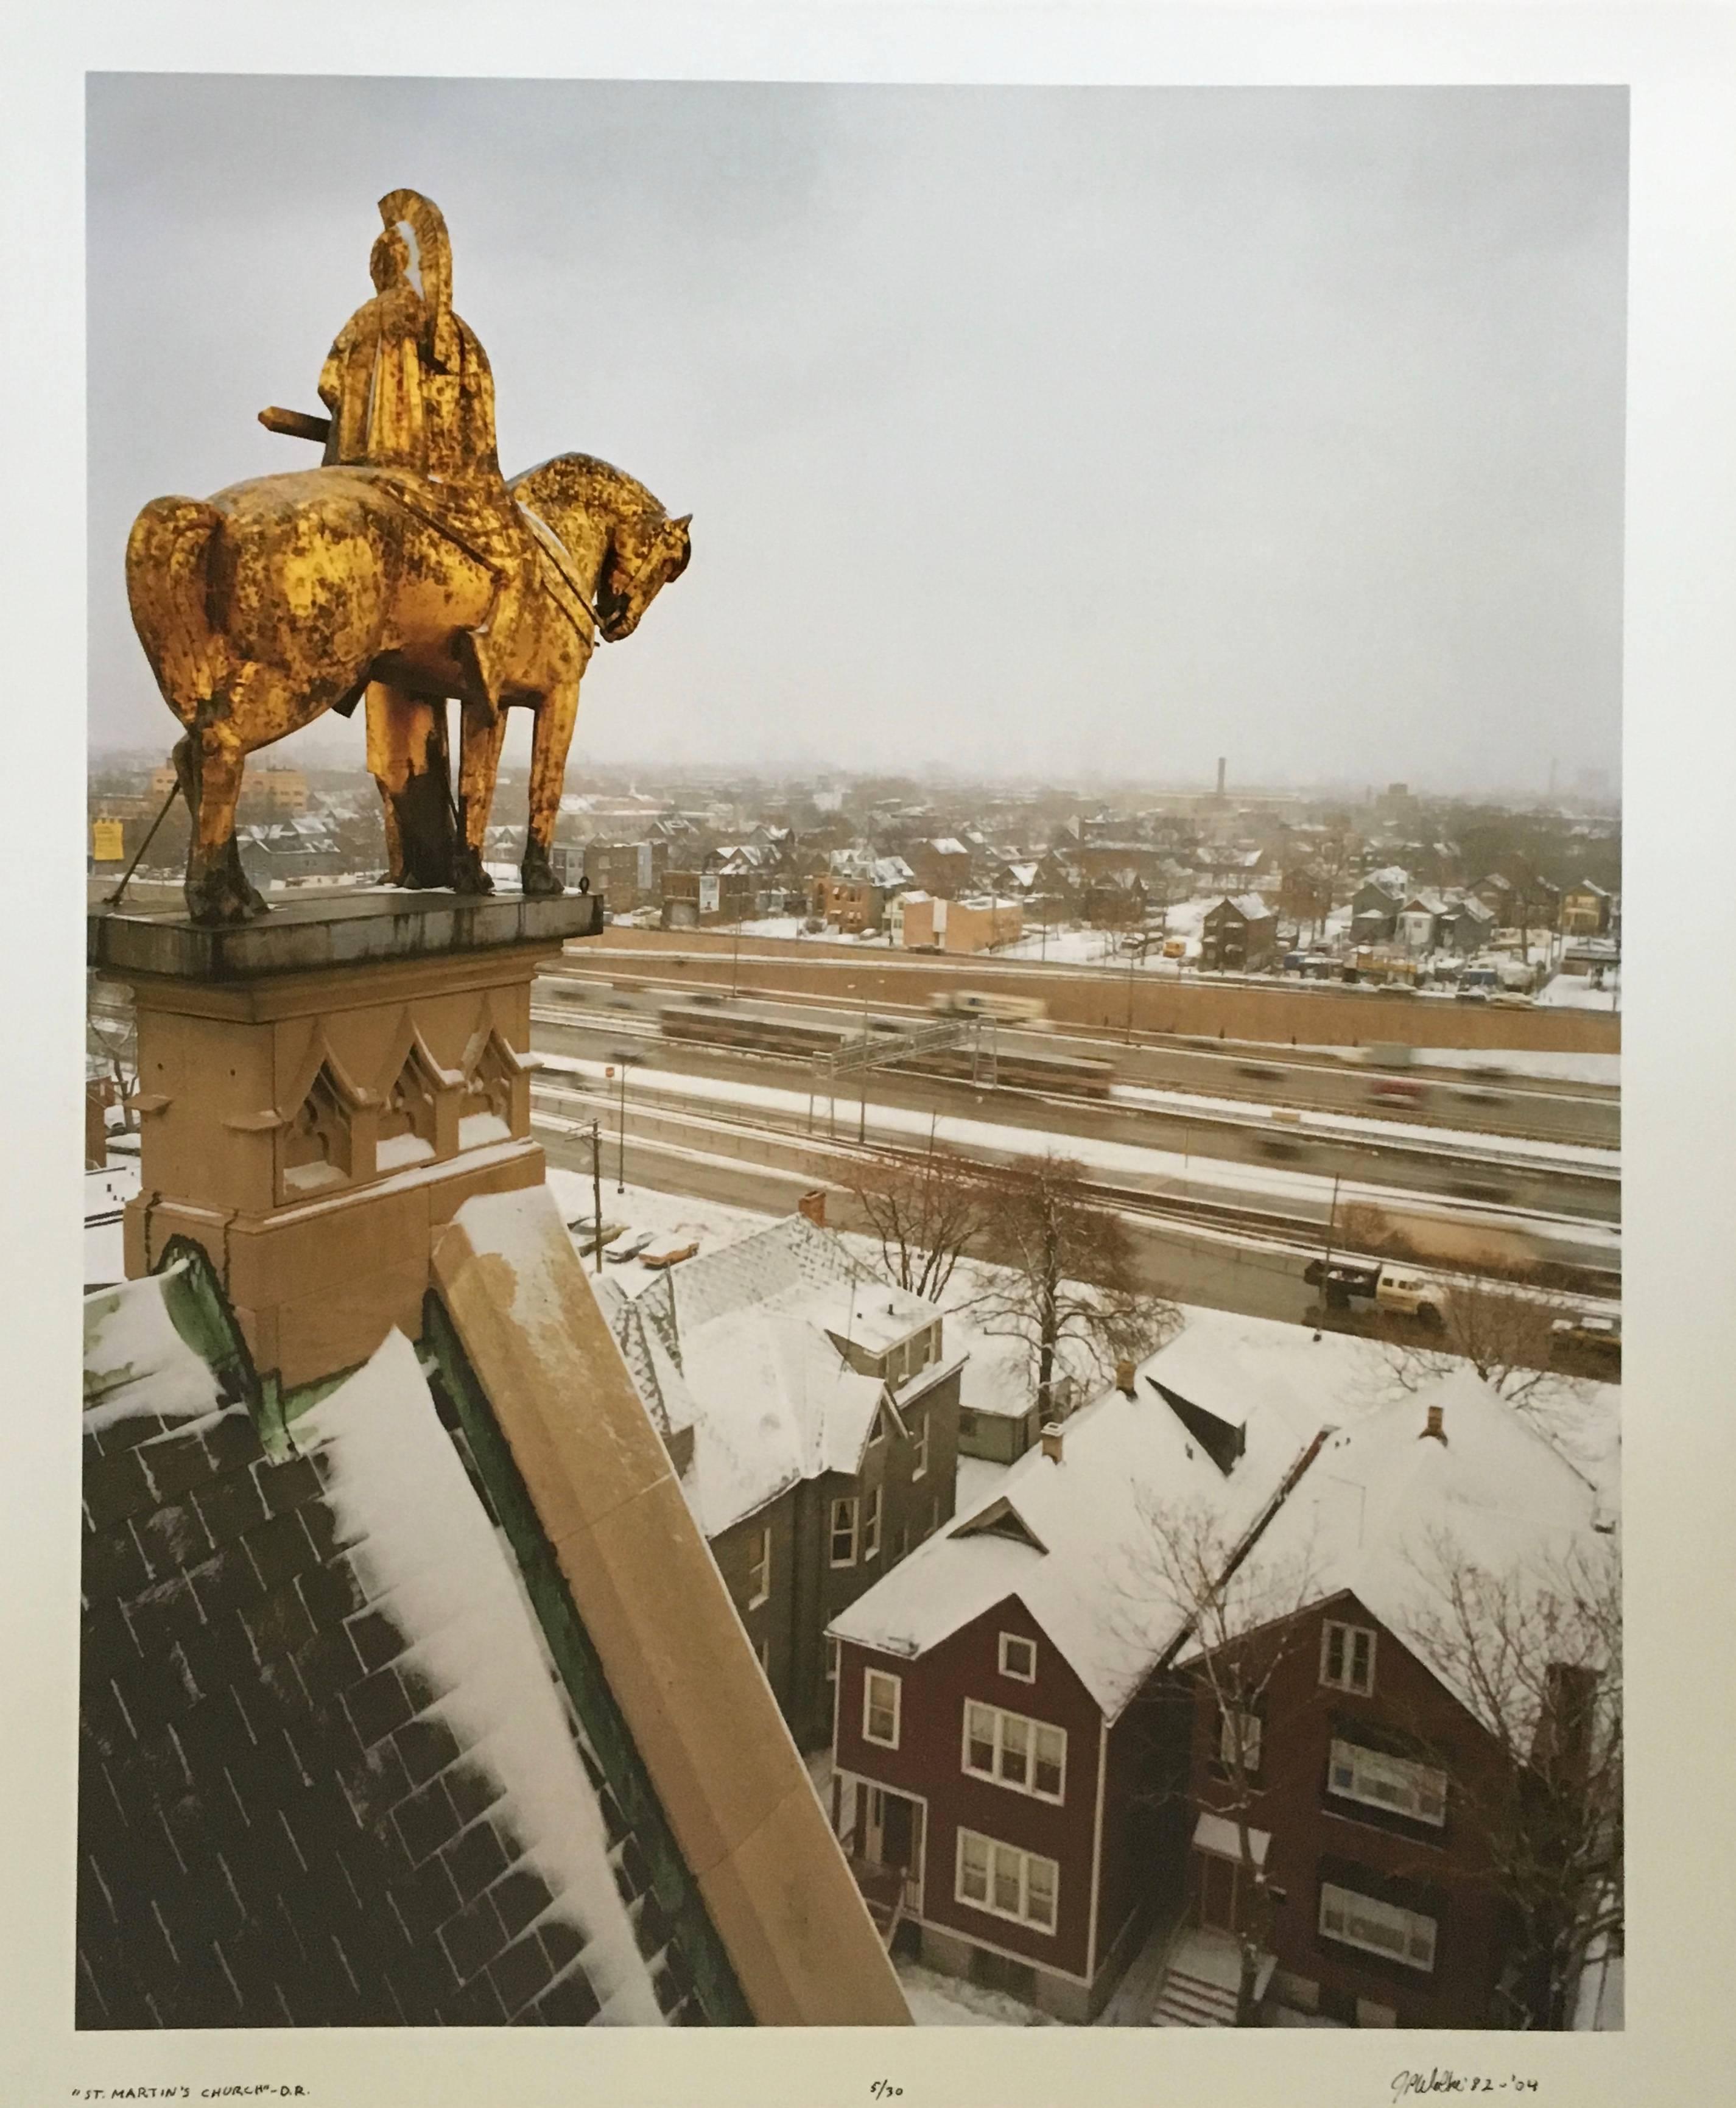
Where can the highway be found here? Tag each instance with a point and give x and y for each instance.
(1452, 1175)
(1486, 1097)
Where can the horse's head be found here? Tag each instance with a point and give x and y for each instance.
(645, 554)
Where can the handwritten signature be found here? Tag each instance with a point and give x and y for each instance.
(1444, 2079)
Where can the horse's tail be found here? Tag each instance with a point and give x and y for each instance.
(168, 554)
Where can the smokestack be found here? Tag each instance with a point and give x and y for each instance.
(1051, 1441)
(1124, 1379)
(1220, 776)
(1435, 1428)
(813, 1205)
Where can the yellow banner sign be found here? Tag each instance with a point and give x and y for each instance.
(108, 841)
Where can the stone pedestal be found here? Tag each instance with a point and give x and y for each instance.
(319, 1091)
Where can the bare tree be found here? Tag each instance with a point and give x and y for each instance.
(1507, 1334)
(1535, 1656)
(1242, 1619)
(1067, 1280)
(925, 1212)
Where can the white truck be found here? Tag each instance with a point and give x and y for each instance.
(1388, 1284)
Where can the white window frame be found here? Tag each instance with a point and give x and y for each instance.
(919, 1435)
(1412, 1782)
(870, 1677)
(997, 1739)
(760, 1572)
(1009, 1641)
(847, 1529)
(871, 1526)
(1412, 1927)
(986, 1903)
(1253, 1739)
(1350, 1633)
(878, 1432)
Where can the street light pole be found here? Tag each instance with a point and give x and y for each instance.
(620, 1161)
(597, 1185)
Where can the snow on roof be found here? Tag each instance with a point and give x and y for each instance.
(948, 846)
(1381, 1492)
(744, 1344)
(424, 1541)
(135, 1361)
(1089, 1584)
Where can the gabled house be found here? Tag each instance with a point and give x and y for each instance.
(1375, 907)
(812, 1414)
(940, 866)
(1238, 936)
(1585, 910)
(1467, 925)
(1367, 1777)
(1420, 923)
(990, 1766)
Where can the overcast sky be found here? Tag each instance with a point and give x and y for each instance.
(1043, 431)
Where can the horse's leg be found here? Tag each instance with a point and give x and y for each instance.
(484, 731)
(407, 757)
(556, 716)
(214, 758)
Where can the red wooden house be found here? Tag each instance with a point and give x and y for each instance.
(1374, 1795)
(989, 1765)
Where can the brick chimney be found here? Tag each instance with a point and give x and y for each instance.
(1052, 1440)
(1435, 1428)
(1124, 1379)
(813, 1205)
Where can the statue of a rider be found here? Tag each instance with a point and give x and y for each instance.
(411, 397)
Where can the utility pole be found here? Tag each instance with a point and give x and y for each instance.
(1132, 959)
(735, 961)
(597, 1185)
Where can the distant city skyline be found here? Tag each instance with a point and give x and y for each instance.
(1093, 432)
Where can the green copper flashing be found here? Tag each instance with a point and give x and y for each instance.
(719, 1996)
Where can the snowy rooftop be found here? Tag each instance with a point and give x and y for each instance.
(1070, 1539)
(1383, 1494)
(738, 1345)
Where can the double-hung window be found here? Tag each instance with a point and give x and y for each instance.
(1000, 1878)
(871, 1526)
(844, 1533)
(1397, 1783)
(759, 1571)
(1377, 1927)
(880, 1704)
(919, 1435)
(1239, 1742)
(1030, 1756)
(1347, 1657)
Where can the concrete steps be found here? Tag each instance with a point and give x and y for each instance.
(1191, 2002)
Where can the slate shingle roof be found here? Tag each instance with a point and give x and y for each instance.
(283, 1819)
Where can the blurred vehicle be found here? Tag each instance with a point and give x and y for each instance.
(1397, 1090)
(985, 1002)
(1389, 1287)
(669, 1256)
(1597, 1340)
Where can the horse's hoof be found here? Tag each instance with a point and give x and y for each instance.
(537, 882)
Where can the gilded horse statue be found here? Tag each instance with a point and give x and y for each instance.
(281, 598)
(405, 571)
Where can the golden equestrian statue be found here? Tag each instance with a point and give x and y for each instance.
(405, 571)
